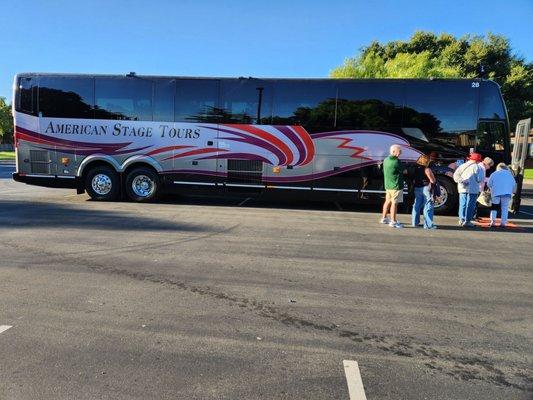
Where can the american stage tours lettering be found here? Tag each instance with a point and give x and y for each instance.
(122, 130)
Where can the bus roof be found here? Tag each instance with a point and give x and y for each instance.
(133, 74)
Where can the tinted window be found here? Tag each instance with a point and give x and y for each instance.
(164, 93)
(26, 101)
(369, 105)
(490, 101)
(124, 98)
(490, 136)
(307, 103)
(245, 101)
(443, 111)
(196, 100)
(66, 97)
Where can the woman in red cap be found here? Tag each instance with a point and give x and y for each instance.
(468, 177)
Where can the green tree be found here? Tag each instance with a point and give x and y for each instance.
(6, 122)
(427, 55)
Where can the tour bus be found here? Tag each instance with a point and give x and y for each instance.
(132, 136)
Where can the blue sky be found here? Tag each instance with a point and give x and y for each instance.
(231, 38)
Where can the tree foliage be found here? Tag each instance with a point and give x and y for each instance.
(427, 55)
(6, 122)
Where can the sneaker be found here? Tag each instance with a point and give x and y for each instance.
(502, 225)
(395, 224)
(431, 227)
(461, 222)
(384, 220)
(468, 224)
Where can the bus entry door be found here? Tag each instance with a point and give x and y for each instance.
(518, 161)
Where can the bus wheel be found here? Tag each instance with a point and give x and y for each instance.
(142, 184)
(102, 183)
(446, 203)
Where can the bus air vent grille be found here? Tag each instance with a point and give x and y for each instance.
(245, 171)
(40, 161)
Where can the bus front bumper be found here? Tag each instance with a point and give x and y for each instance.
(47, 180)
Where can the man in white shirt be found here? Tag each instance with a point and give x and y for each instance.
(468, 177)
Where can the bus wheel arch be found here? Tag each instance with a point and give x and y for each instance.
(141, 182)
(102, 181)
(449, 199)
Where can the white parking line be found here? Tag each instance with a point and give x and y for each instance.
(4, 328)
(355, 383)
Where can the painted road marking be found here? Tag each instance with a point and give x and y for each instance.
(4, 328)
(353, 378)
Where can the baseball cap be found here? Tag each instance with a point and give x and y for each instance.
(475, 157)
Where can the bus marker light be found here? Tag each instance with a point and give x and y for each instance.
(65, 160)
(276, 170)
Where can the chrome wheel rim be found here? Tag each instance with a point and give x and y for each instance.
(142, 186)
(101, 184)
(442, 199)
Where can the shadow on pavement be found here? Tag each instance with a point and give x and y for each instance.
(35, 215)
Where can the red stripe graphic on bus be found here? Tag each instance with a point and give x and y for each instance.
(358, 150)
(268, 138)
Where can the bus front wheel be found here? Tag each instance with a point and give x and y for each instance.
(142, 185)
(102, 183)
(446, 203)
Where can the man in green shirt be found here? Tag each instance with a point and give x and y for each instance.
(393, 176)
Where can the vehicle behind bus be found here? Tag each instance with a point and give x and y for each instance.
(134, 136)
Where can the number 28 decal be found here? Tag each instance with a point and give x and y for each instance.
(475, 84)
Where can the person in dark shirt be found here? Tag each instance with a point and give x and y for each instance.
(423, 179)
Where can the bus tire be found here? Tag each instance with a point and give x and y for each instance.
(102, 183)
(142, 185)
(447, 202)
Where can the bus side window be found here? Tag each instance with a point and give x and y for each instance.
(197, 100)
(245, 101)
(164, 94)
(310, 104)
(445, 111)
(27, 96)
(66, 97)
(369, 105)
(126, 98)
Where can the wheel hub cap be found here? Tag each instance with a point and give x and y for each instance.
(142, 186)
(442, 199)
(101, 184)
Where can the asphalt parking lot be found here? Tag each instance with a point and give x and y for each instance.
(196, 298)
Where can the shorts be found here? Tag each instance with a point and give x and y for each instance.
(395, 196)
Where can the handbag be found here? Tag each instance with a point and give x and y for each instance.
(485, 199)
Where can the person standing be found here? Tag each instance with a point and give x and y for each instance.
(393, 176)
(486, 164)
(423, 179)
(502, 185)
(468, 177)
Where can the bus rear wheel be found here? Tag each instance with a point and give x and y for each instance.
(102, 183)
(142, 185)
